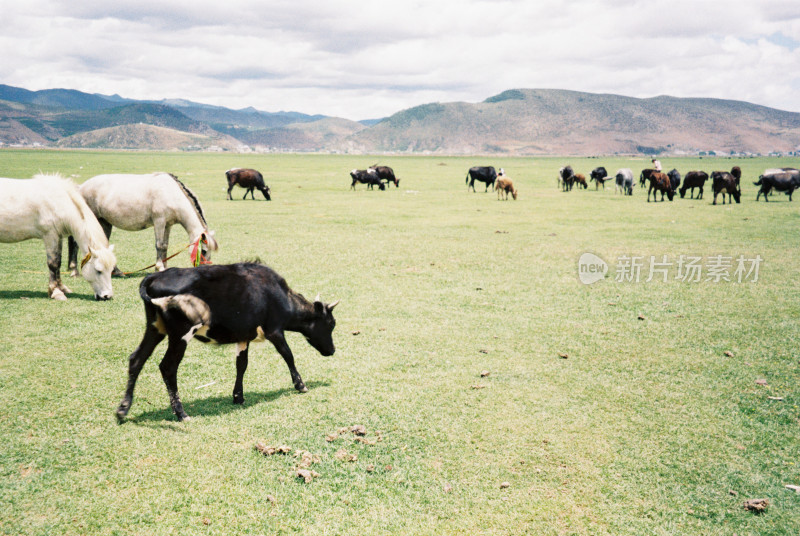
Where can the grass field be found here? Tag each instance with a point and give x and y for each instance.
(653, 424)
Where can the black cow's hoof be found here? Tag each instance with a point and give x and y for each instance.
(238, 399)
(301, 388)
(122, 411)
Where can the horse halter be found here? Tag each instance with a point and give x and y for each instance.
(196, 254)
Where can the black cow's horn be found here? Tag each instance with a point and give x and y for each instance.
(332, 305)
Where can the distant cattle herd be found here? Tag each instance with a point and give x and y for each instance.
(723, 183)
(201, 302)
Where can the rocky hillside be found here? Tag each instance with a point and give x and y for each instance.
(570, 122)
(148, 137)
(515, 122)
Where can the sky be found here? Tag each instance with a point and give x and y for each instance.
(369, 59)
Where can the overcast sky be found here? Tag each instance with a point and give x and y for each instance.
(365, 59)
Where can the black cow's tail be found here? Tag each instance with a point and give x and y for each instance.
(196, 311)
(143, 291)
(466, 181)
(760, 180)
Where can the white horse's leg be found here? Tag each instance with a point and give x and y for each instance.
(56, 289)
(72, 256)
(162, 244)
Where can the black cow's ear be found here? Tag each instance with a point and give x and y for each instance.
(319, 307)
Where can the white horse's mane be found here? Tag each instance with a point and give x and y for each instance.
(193, 201)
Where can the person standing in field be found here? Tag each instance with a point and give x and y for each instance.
(657, 165)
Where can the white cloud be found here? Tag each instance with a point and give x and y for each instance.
(360, 59)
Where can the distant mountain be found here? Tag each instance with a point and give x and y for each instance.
(148, 137)
(328, 134)
(514, 122)
(69, 123)
(220, 118)
(58, 98)
(549, 121)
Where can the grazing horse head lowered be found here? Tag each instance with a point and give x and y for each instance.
(49, 207)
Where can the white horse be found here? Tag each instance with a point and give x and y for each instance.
(49, 207)
(136, 202)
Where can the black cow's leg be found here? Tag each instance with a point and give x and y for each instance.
(241, 366)
(279, 342)
(229, 196)
(136, 361)
(169, 372)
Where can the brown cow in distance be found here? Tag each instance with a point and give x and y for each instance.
(504, 185)
(249, 179)
(694, 179)
(659, 182)
(580, 180)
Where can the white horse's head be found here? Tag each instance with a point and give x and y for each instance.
(96, 269)
(207, 243)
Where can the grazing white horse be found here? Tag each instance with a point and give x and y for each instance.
(49, 207)
(136, 202)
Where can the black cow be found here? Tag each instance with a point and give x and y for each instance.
(674, 179)
(224, 304)
(600, 176)
(644, 176)
(249, 179)
(486, 175)
(692, 180)
(368, 177)
(566, 178)
(723, 183)
(781, 179)
(659, 182)
(385, 173)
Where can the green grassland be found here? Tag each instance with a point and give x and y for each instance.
(653, 424)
